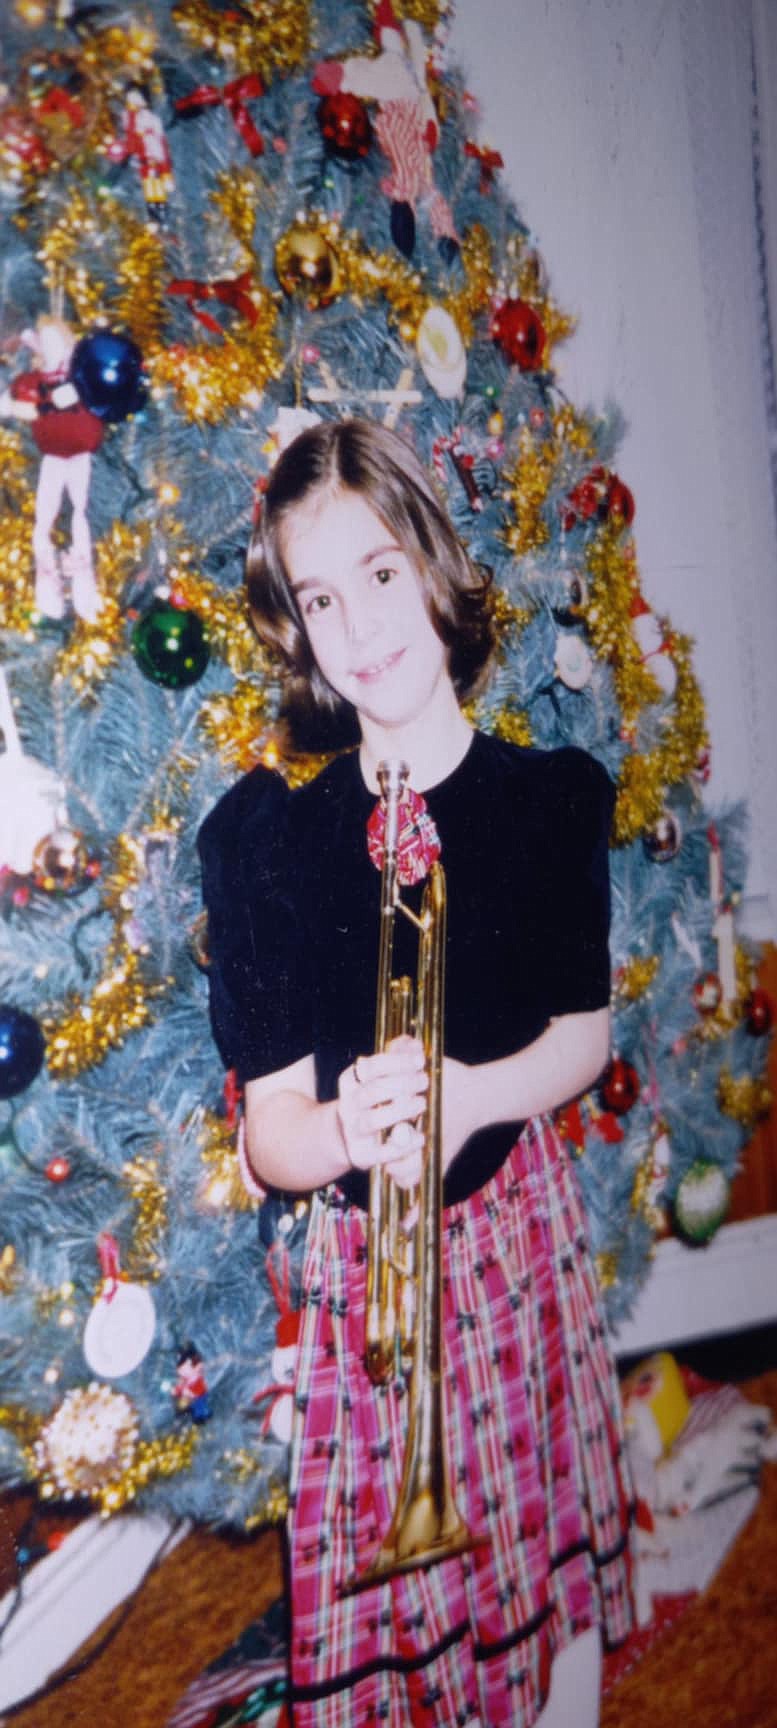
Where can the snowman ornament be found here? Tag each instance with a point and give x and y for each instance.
(278, 1396)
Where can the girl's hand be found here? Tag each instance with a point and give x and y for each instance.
(381, 1093)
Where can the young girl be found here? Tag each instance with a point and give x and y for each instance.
(357, 578)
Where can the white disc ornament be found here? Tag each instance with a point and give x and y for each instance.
(574, 664)
(120, 1330)
(441, 352)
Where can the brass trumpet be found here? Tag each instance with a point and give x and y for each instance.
(404, 1265)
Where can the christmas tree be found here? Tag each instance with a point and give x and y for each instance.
(218, 220)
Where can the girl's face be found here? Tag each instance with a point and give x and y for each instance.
(364, 609)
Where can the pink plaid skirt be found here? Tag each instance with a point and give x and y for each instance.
(536, 1461)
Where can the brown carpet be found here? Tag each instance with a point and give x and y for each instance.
(716, 1668)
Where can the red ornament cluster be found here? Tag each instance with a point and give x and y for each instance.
(619, 1086)
(601, 496)
(520, 333)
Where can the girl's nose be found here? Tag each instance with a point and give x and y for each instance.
(360, 620)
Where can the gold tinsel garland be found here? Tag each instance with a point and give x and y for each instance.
(606, 1264)
(85, 1030)
(320, 260)
(235, 721)
(140, 1177)
(222, 1188)
(265, 36)
(645, 776)
(210, 379)
(17, 515)
(613, 584)
(645, 779)
(241, 1465)
(635, 977)
(745, 1099)
(92, 649)
(9, 1271)
(514, 725)
(526, 483)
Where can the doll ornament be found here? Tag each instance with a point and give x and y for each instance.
(406, 128)
(66, 433)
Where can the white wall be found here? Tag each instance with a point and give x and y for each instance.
(625, 131)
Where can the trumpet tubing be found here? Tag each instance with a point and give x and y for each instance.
(404, 1268)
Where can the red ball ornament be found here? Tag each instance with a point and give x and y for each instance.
(707, 993)
(619, 1086)
(759, 1013)
(587, 499)
(58, 1168)
(345, 125)
(520, 334)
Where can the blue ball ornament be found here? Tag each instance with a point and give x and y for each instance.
(22, 1050)
(107, 371)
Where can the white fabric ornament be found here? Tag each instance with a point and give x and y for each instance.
(32, 797)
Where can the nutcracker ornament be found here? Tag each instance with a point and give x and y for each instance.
(66, 433)
(143, 137)
(406, 127)
(191, 1388)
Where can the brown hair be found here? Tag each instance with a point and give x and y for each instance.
(362, 457)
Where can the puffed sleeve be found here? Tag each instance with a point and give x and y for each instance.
(577, 957)
(258, 987)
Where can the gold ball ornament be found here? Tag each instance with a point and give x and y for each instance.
(89, 1442)
(307, 264)
(60, 862)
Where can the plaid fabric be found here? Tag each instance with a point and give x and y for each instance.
(536, 1457)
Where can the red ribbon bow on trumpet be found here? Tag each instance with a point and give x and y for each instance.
(418, 843)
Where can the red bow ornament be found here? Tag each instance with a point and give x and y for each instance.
(234, 97)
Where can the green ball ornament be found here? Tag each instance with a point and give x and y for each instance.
(701, 1202)
(171, 645)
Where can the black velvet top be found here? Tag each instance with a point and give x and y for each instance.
(293, 910)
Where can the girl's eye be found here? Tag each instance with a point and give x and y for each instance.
(383, 575)
(319, 603)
